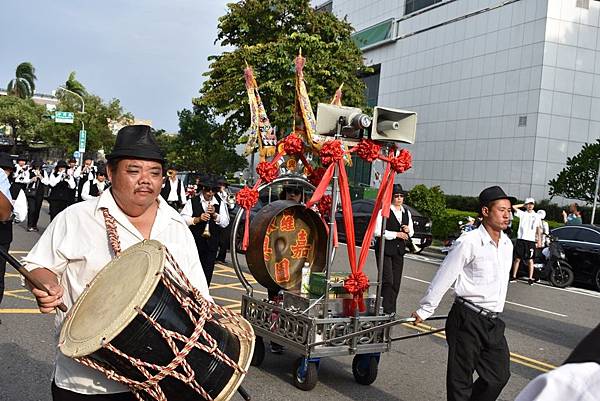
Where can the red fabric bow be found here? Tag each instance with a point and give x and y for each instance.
(331, 151)
(402, 162)
(324, 206)
(247, 198)
(267, 171)
(316, 175)
(368, 150)
(293, 145)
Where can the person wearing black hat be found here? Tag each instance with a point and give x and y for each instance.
(293, 192)
(398, 230)
(94, 188)
(62, 189)
(173, 190)
(205, 214)
(75, 248)
(478, 264)
(38, 181)
(84, 173)
(21, 172)
(17, 198)
(225, 236)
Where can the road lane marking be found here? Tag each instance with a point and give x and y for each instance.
(508, 302)
(20, 311)
(11, 293)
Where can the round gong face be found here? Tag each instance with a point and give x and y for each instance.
(285, 235)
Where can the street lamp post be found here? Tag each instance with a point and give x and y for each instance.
(596, 192)
(82, 112)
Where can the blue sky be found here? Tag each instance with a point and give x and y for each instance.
(150, 54)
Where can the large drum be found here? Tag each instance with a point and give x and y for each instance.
(143, 324)
(283, 236)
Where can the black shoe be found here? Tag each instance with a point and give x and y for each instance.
(512, 279)
(530, 281)
(30, 229)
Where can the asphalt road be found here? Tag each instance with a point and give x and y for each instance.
(543, 325)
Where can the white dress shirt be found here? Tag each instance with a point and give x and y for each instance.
(390, 235)
(173, 196)
(573, 382)
(85, 190)
(90, 174)
(75, 247)
(56, 178)
(5, 185)
(222, 218)
(479, 268)
(21, 174)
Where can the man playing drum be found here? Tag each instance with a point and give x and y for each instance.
(74, 248)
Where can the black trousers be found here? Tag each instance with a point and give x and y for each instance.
(475, 344)
(34, 205)
(57, 206)
(224, 239)
(208, 256)
(3, 271)
(390, 280)
(59, 394)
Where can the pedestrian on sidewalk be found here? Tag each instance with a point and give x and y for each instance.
(478, 265)
(529, 231)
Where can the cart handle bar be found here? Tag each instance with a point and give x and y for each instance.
(381, 326)
(427, 333)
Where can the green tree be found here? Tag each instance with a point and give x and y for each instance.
(268, 35)
(23, 84)
(430, 201)
(578, 179)
(96, 117)
(22, 116)
(74, 85)
(201, 144)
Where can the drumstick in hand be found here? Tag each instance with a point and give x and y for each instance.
(19, 267)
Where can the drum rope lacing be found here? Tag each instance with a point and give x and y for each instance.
(198, 309)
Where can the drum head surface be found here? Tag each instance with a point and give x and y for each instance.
(106, 307)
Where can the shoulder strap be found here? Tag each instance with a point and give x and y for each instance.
(111, 231)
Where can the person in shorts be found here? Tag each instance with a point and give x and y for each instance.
(529, 227)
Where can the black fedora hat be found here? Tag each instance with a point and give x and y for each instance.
(397, 189)
(136, 142)
(22, 157)
(6, 161)
(491, 194)
(62, 163)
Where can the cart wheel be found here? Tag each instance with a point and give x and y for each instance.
(305, 374)
(364, 368)
(259, 352)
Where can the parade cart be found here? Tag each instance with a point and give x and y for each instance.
(289, 245)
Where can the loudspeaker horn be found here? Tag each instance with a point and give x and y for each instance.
(392, 125)
(328, 115)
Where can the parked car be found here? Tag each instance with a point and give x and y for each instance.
(581, 244)
(362, 210)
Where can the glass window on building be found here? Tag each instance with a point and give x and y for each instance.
(372, 85)
(416, 5)
(375, 34)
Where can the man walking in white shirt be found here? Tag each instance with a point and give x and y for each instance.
(478, 264)
(529, 227)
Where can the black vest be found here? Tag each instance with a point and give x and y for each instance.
(588, 350)
(35, 188)
(61, 191)
(94, 191)
(167, 190)
(83, 179)
(211, 243)
(6, 229)
(396, 246)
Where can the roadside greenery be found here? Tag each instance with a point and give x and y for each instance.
(578, 179)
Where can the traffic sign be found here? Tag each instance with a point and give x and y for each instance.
(64, 117)
(76, 154)
(82, 140)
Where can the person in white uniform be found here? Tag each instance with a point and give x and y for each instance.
(478, 264)
(74, 248)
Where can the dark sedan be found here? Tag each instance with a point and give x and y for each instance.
(581, 244)
(362, 210)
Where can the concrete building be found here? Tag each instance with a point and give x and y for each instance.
(505, 90)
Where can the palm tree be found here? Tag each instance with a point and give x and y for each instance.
(74, 85)
(23, 84)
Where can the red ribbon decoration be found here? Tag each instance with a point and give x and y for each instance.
(324, 206)
(267, 171)
(402, 162)
(367, 150)
(316, 175)
(331, 152)
(293, 145)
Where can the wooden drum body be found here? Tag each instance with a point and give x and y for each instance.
(283, 236)
(144, 323)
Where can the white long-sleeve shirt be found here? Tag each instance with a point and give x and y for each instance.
(85, 190)
(390, 235)
(75, 248)
(55, 179)
(21, 174)
(480, 269)
(573, 382)
(5, 185)
(222, 218)
(173, 195)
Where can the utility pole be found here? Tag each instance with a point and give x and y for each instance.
(62, 88)
(596, 193)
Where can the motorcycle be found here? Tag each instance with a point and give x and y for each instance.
(462, 228)
(550, 263)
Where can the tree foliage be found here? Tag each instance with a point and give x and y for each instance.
(96, 117)
(430, 201)
(74, 85)
(578, 179)
(23, 84)
(268, 35)
(22, 116)
(201, 144)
